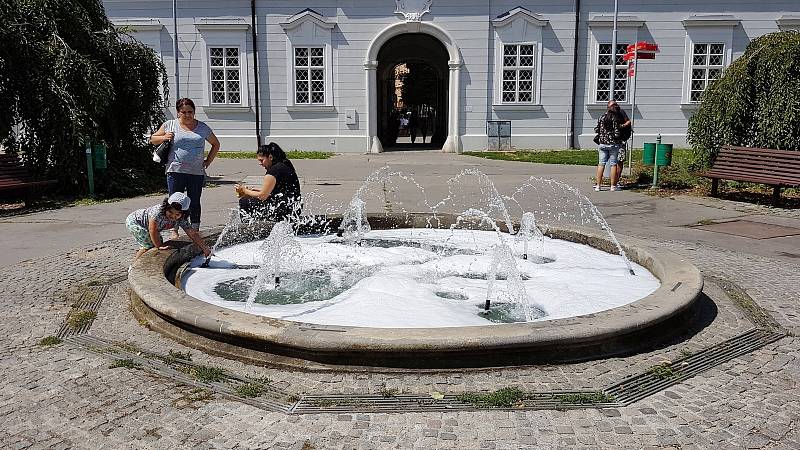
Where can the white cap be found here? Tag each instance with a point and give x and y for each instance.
(181, 198)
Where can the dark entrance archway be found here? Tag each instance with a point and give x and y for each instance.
(412, 89)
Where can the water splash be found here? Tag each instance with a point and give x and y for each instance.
(277, 251)
(528, 231)
(555, 205)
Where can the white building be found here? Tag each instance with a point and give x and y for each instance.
(321, 76)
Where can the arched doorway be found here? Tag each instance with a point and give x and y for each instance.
(412, 85)
(453, 110)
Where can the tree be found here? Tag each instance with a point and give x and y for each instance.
(756, 103)
(68, 76)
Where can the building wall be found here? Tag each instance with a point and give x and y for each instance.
(660, 84)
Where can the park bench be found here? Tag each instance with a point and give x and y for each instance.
(776, 168)
(14, 177)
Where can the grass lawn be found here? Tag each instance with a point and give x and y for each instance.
(570, 157)
(292, 154)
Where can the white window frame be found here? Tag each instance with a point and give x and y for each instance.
(226, 69)
(226, 34)
(306, 30)
(706, 66)
(601, 28)
(516, 68)
(621, 66)
(705, 29)
(518, 27)
(309, 68)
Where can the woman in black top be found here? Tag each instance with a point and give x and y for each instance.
(278, 198)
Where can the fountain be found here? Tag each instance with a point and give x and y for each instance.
(461, 284)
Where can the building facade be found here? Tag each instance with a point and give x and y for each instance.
(322, 76)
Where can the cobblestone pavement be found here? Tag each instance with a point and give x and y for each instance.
(67, 397)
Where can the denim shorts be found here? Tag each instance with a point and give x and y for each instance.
(608, 153)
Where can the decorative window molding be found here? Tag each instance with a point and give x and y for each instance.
(708, 51)
(225, 64)
(606, 21)
(600, 62)
(710, 20)
(309, 62)
(146, 31)
(508, 18)
(307, 15)
(788, 23)
(518, 60)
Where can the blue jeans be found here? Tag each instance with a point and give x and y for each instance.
(193, 186)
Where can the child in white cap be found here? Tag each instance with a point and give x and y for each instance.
(147, 224)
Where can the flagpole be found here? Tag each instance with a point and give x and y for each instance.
(613, 53)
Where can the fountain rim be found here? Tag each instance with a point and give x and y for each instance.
(681, 285)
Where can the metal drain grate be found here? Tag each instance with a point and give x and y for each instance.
(88, 303)
(316, 404)
(273, 399)
(643, 385)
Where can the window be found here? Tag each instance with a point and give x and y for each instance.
(604, 67)
(309, 75)
(707, 64)
(518, 73)
(226, 88)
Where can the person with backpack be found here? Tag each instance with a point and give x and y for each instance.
(607, 136)
(625, 133)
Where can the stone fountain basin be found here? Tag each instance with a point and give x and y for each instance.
(642, 324)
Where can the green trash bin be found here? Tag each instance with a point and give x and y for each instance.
(664, 155)
(99, 156)
(649, 153)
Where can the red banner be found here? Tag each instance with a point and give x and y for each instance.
(643, 47)
(631, 55)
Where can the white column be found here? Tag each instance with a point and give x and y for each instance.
(373, 144)
(453, 142)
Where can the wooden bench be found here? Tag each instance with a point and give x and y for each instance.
(14, 177)
(776, 168)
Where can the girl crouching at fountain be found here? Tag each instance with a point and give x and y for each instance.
(147, 224)
(278, 198)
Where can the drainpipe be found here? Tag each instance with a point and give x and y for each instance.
(175, 47)
(574, 76)
(255, 71)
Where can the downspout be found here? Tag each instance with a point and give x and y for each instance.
(175, 47)
(255, 71)
(574, 76)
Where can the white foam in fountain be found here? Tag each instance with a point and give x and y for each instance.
(436, 279)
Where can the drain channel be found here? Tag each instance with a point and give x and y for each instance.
(643, 385)
(270, 398)
(83, 312)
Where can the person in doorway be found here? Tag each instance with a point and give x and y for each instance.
(279, 197)
(147, 224)
(423, 127)
(413, 123)
(187, 163)
(607, 137)
(625, 132)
